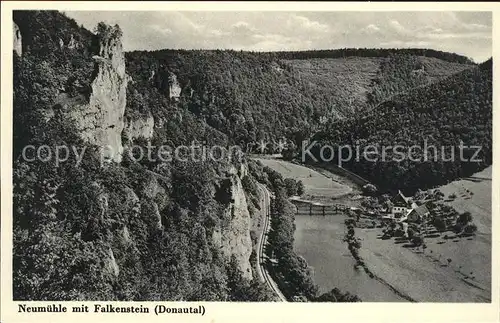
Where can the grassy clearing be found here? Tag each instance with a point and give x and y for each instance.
(317, 185)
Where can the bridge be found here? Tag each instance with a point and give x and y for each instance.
(306, 207)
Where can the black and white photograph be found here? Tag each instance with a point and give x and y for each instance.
(252, 156)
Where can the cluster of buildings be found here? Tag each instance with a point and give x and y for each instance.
(402, 209)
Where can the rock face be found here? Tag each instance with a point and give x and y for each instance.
(110, 265)
(18, 44)
(235, 239)
(174, 90)
(140, 128)
(72, 43)
(100, 122)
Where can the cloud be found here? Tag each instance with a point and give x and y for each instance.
(371, 29)
(218, 33)
(161, 29)
(455, 35)
(242, 24)
(468, 33)
(398, 27)
(182, 22)
(304, 23)
(243, 28)
(273, 42)
(452, 29)
(475, 27)
(430, 29)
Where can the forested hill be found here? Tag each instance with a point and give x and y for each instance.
(252, 96)
(458, 108)
(370, 52)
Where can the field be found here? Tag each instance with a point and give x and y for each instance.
(425, 277)
(479, 203)
(421, 276)
(428, 276)
(319, 186)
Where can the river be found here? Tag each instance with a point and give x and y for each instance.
(319, 240)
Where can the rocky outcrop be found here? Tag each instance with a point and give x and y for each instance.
(166, 82)
(235, 238)
(174, 90)
(140, 128)
(100, 122)
(110, 265)
(72, 43)
(18, 44)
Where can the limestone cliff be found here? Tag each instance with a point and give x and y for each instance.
(235, 238)
(174, 90)
(137, 231)
(166, 81)
(101, 121)
(18, 45)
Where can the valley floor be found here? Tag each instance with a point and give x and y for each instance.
(420, 276)
(320, 185)
(428, 276)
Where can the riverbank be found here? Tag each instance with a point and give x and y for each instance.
(319, 240)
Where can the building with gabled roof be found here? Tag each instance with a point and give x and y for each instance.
(418, 214)
(401, 205)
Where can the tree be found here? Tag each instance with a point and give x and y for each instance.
(439, 223)
(417, 241)
(288, 153)
(464, 218)
(300, 188)
(290, 186)
(335, 295)
(369, 189)
(412, 231)
(470, 229)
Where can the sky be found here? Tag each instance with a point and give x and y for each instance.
(465, 33)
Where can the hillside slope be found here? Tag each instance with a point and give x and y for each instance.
(458, 108)
(125, 227)
(268, 96)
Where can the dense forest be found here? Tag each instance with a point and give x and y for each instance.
(456, 109)
(371, 52)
